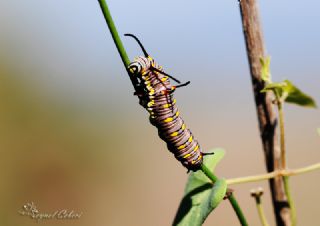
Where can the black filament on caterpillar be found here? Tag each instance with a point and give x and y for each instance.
(155, 93)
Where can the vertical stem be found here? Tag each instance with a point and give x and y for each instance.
(116, 39)
(283, 159)
(231, 197)
(257, 196)
(282, 135)
(262, 216)
(114, 32)
(265, 111)
(290, 200)
(238, 210)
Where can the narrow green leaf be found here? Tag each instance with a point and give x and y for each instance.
(296, 96)
(265, 69)
(201, 197)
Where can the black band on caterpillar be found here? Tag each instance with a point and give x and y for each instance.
(156, 96)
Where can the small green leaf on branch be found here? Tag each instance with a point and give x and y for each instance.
(289, 93)
(296, 96)
(265, 69)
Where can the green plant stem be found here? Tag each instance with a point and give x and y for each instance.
(231, 197)
(117, 40)
(280, 101)
(208, 173)
(290, 201)
(255, 178)
(238, 210)
(282, 133)
(267, 176)
(114, 33)
(262, 216)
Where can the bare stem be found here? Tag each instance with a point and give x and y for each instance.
(282, 133)
(116, 38)
(257, 194)
(238, 210)
(262, 216)
(267, 117)
(293, 214)
(114, 32)
(267, 176)
(290, 201)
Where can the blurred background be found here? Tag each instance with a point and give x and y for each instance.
(73, 136)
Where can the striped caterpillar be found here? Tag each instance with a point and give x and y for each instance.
(156, 95)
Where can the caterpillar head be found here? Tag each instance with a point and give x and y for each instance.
(135, 67)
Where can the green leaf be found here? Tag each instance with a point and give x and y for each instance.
(318, 131)
(296, 96)
(265, 69)
(201, 197)
(290, 93)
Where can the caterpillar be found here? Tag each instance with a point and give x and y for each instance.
(155, 94)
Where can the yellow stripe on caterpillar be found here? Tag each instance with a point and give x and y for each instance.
(168, 119)
(150, 103)
(164, 79)
(174, 134)
(187, 155)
